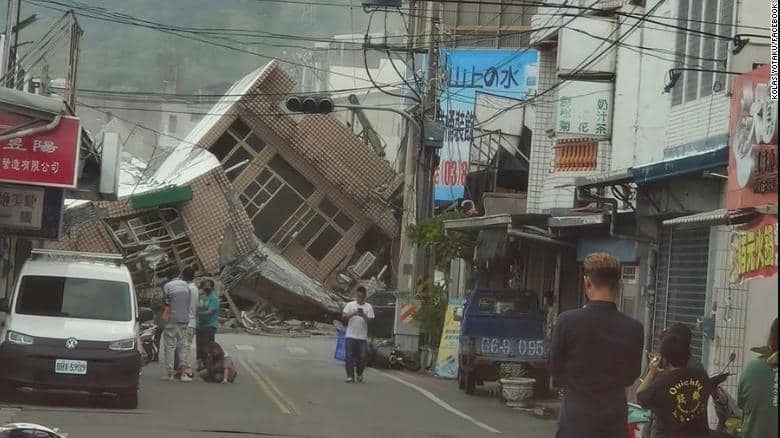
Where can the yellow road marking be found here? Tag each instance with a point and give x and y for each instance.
(282, 402)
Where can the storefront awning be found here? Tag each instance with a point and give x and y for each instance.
(478, 223)
(720, 216)
(618, 177)
(663, 170)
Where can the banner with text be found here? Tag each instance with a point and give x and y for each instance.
(447, 357)
(754, 250)
(508, 73)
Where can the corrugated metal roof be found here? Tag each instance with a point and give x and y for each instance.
(715, 217)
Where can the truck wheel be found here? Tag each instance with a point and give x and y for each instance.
(128, 400)
(461, 380)
(471, 383)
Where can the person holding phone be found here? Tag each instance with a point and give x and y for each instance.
(357, 314)
(676, 393)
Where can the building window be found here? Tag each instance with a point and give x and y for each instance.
(323, 230)
(195, 118)
(172, 122)
(575, 155)
(695, 50)
(278, 206)
(237, 143)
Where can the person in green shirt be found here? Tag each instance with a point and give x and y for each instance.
(757, 394)
(208, 319)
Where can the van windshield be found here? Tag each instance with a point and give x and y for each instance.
(72, 297)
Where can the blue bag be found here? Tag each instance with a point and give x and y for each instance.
(341, 347)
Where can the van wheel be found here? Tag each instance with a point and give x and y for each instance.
(128, 400)
(461, 380)
(471, 382)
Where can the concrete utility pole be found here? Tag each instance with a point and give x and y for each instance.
(407, 337)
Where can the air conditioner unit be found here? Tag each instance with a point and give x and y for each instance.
(364, 263)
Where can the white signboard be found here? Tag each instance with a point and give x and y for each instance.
(584, 109)
(21, 207)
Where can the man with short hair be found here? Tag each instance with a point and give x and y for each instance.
(177, 334)
(357, 314)
(596, 354)
(208, 320)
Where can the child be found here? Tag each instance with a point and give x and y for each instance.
(219, 366)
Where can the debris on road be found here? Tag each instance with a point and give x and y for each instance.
(263, 318)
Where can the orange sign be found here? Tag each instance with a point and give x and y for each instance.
(752, 179)
(754, 250)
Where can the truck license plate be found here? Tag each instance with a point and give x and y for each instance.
(65, 366)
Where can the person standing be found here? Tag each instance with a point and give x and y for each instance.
(192, 326)
(757, 393)
(208, 320)
(596, 353)
(357, 314)
(675, 392)
(177, 334)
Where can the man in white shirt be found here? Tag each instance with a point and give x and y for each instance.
(357, 314)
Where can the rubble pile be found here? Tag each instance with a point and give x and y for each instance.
(264, 319)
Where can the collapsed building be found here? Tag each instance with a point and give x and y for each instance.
(271, 203)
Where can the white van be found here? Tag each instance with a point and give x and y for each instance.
(72, 326)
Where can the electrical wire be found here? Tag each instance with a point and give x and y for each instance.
(581, 67)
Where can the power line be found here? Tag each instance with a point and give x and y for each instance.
(581, 67)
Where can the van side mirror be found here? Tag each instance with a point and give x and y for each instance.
(458, 314)
(5, 305)
(145, 314)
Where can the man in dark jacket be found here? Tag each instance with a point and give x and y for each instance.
(596, 354)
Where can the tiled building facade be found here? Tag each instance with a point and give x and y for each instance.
(310, 187)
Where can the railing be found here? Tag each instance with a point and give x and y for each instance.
(576, 155)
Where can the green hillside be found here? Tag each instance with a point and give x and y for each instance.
(118, 56)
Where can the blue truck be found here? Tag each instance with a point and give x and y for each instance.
(501, 327)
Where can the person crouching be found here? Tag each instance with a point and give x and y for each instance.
(219, 365)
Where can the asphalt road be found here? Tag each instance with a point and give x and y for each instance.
(290, 387)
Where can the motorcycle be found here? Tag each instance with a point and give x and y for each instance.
(149, 345)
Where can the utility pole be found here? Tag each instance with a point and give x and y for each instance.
(10, 40)
(415, 182)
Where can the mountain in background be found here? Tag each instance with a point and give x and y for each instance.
(122, 57)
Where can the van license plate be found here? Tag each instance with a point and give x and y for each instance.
(64, 366)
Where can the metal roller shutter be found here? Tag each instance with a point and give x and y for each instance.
(681, 289)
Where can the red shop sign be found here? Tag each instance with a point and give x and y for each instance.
(47, 158)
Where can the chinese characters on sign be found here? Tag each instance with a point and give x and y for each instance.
(506, 73)
(21, 207)
(752, 179)
(47, 158)
(754, 250)
(584, 108)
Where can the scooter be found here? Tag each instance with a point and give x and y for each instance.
(149, 344)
